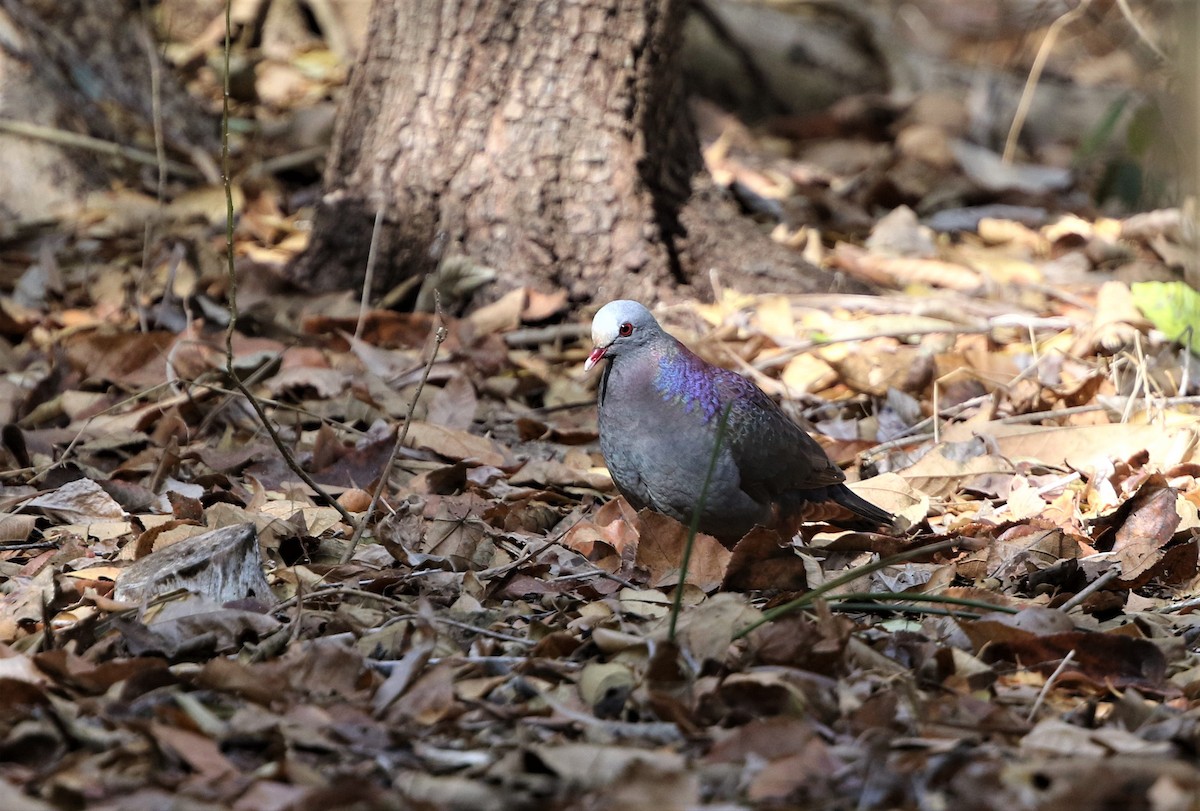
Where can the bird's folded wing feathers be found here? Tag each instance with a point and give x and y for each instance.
(774, 455)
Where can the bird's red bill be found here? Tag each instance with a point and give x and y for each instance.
(595, 357)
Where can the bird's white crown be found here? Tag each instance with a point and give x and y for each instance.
(607, 323)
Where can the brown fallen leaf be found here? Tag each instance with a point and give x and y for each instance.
(661, 541)
(79, 502)
(1103, 660)
(454, 404)
(764, 560)
(1150, 524)
(429, 700)
(199, 752)
(457, 445)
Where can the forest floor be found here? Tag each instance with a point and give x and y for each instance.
(505, 634)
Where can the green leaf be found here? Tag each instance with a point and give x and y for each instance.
(1173, 308)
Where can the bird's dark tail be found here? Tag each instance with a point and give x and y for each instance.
(836, 504)
(875, 516)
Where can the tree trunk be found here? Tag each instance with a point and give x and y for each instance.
(548, 140)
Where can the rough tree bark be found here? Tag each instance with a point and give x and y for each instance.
(546, 139)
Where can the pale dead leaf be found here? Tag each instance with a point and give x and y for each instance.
(453, 405)
(901, 271)
(455, 444)
(541, 306)
(644, 602)
(604, 681)
(79, 502)
(989, 170)
(1085, 446)
(773, 317)
(16, 526)
(324, 383)
(594, 765)
(896, 494)
(500, 316)
(938, 477)
(207, 203)
(706, 630)
(19, 667)
(463, 540)
(807, 373)
(899, 233)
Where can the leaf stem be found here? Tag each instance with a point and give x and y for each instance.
(694, 526)
(809, 597)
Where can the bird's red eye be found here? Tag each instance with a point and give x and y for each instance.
(626, 330)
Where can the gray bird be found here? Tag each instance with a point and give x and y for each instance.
(660, 409)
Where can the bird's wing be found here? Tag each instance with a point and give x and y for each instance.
(774, 455)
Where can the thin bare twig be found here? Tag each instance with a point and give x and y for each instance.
(292, 160)
(891, 596)
(1091, 588)
(369, 277)
(1035, 75)
(1058, 671)
(77, 141)
(230, 329)
(360, 526)
(535, 336)
(1140, 30)
(405, 608)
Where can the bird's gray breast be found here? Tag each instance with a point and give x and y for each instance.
(658, 453)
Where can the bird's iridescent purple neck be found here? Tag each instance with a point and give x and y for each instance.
(683, 378)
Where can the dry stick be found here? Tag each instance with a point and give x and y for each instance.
(937, 408)
(1035, 75)
(1090, 589)
(1180, 605)
(694, 525)
(1138, 380)
(1110, 404)
(227, 181)
(407, 609)
(160, 155)
(77, 141)
(292, 160)
(17, 547)
(372, 249)
(360, 527)
(535, 336)
(1037, 704)
(1140, 30)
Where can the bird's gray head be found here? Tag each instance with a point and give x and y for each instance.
(619, 327)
